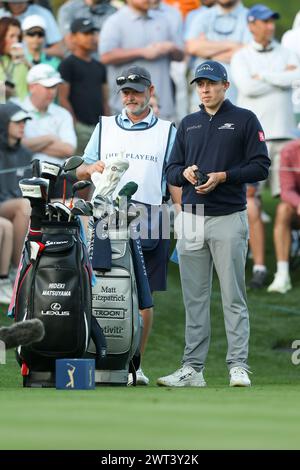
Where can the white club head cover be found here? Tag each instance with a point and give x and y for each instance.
(106, 182)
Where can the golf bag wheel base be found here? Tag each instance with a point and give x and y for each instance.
(39, 380)
(111, 377)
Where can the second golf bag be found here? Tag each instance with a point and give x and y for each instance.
(115, 305)
(54, 286)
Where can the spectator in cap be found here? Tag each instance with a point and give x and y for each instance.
(50, 134)
(13, 68)
(20, 9)
(14, 210)
(146, 142)
(217, 34)
(95, 10)
(137, 35)
(34, 33)
(84, 92)
(222, 142)
(264, 73)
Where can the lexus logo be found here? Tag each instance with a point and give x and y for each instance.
(55, 306)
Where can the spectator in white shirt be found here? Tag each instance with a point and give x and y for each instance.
(50, 135)
(291, 40)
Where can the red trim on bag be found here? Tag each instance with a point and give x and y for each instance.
(17, 299)
(24, 369)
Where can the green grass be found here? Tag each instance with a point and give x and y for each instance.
(265, 416)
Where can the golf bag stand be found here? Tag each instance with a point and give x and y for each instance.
(55, 287)
(116, 308)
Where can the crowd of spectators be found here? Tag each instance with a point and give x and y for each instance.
(61, 70)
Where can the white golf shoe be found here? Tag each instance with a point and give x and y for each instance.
(281, 284)
(186, 376)
(141, 378)
(239, 377)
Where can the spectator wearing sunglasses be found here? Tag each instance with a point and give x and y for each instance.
(34, 33)
(21, 9)
(146, 141)
(217, 35)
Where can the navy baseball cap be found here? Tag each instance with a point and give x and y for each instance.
(261, 12)
(83, 25)
(136, 78)
(211, 70)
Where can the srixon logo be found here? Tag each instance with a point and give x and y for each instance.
(113, 330)
(51, 243)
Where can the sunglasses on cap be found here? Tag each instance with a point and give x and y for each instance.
(40, 34)
(133, 78)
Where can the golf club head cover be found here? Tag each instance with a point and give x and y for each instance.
(106, 182)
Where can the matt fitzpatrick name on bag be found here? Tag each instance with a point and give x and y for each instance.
(109, 298)
(112, 297)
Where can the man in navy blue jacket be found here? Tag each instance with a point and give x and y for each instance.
(227, 144)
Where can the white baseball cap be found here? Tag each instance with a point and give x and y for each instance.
(20, 115)
(33, 21)
(44, 74)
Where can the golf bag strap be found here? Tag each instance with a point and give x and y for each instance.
(99, 138)
(165, 188)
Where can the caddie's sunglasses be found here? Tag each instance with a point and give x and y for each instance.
(133, 78)
(40, 34)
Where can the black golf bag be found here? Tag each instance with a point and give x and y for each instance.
(55, 287)
(115, 305)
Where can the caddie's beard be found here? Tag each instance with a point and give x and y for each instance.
(228, 5)
(139, 109)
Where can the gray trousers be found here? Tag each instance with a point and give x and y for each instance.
(224, 247)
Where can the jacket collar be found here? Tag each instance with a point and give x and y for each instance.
(225, 106)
